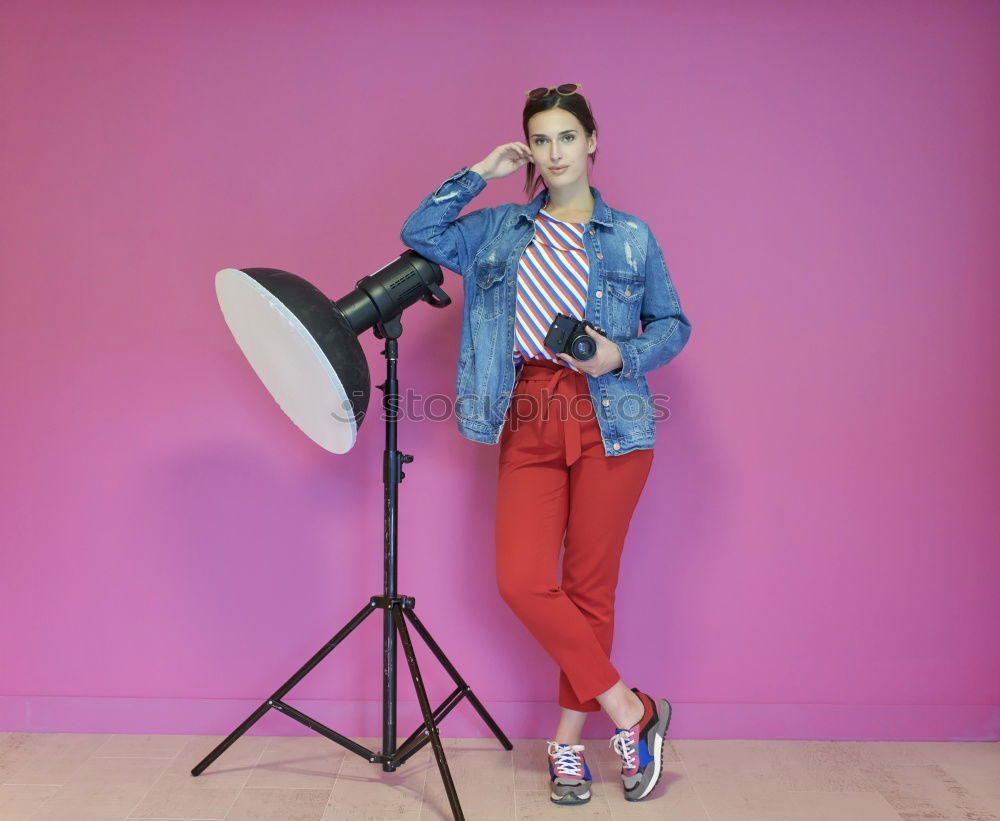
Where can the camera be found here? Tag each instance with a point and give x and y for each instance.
(568, 335)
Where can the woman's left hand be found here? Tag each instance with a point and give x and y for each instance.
(607, 358)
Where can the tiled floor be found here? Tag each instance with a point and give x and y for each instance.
(68, 777)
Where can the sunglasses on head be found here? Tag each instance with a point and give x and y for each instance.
(565, 90)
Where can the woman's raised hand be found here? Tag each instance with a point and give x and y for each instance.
(503, 160)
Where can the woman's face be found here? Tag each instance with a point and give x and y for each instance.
(559, 147)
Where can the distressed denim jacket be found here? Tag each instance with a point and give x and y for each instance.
(629, 284)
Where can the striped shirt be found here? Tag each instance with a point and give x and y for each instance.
(552, 278)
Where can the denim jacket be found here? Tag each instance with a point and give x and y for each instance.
(629, 283)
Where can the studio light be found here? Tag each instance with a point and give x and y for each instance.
(304, 346)
(305, 349)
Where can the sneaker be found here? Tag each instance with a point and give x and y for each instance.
(569, 774)
(641, 748)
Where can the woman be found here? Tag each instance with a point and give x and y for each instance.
(566, 472)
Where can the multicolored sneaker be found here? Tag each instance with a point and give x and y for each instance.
(569, 774)
(641, 748)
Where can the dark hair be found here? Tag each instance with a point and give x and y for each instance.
(575, 104)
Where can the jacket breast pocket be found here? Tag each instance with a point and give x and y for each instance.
(625, 290)
(490, 291)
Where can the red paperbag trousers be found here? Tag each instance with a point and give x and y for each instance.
(556, 484)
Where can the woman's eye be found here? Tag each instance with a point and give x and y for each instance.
(539, 141)
(570, 136)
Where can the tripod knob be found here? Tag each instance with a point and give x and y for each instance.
(406, 457)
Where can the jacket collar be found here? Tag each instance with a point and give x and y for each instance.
(602, 214)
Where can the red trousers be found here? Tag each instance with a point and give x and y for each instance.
(556, 481)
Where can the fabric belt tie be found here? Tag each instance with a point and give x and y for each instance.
(563, 382)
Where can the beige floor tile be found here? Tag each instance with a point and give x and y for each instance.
(45, 758)
(724, 765)
(100, 777)
(535, 805)
(299, 762)
(975, 765)
(363, 792)
(274, 803)
(183, 796)
(233, 765)
(102, 789)
(921, 791)
(484, 781)
(878, 753)
(800, 805)
(178, 794)
(486, 743)
(823, 766)
(673, 797)
(144, 746)
(19, 801)
(531, 764)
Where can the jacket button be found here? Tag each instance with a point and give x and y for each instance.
(597, 294)
(628, 373)
(605, 402)
(592, 231)
(627, 292)
(617, 446)
(600, 256)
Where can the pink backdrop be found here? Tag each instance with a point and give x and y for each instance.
(815, 555)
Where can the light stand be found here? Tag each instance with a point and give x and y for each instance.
(397, 609)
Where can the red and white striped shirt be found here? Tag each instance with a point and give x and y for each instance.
(552, 278)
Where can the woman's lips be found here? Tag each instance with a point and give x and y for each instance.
(559, 169)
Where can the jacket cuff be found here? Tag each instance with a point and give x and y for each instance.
(630, 361)
(467, 179)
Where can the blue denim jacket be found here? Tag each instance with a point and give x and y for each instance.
(629, 284)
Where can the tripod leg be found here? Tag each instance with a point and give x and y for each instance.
(494, 727)
(280, 693)
(425, 707)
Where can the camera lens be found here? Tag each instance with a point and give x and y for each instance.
(583, 347)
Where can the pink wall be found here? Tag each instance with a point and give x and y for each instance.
(815, 555)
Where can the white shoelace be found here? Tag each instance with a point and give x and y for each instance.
(625, 747)
(567, 760)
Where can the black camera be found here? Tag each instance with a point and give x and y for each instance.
(568, 335)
